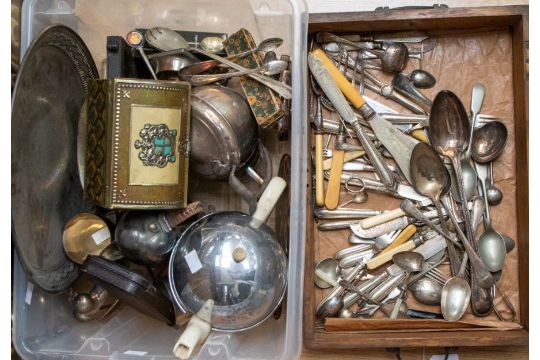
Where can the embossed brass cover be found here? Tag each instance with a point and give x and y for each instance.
(137, 144)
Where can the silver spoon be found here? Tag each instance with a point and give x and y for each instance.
(165, 39)
(393, 56)
(271, 68)
(427, 291)
(494, 194)
(282, 89)
(410, 262)
(429, 177)
(455, 295)
(467, 171)
(489, 142)
(213, 44)
(266, 45)
(491, 245)
(328, 267)
(422, 79)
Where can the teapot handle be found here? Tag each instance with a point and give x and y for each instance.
(250, 197)
(268, 201)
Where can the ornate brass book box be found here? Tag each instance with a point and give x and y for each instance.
(137, 147)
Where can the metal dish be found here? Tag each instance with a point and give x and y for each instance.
(45, 187)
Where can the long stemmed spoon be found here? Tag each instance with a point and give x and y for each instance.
(467, 171)
(481, 278)
(491, 245)
(167, 39)
(273, 67)
(456, 294)
(449, 128)
(429, 177)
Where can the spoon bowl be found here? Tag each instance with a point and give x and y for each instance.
(509, 243)
(492, 249)
(455, 297)
(165, 39)
(491, 245)
(393, 56)
(409, 261)
(331, 307)
(489, 141)
(422, 79)
(427, 291)
(329, 267)
(212, 44)
(494, 194)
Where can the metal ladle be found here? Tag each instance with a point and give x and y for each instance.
(491, 245)
(429, 178)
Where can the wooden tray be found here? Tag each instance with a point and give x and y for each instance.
(414, 333)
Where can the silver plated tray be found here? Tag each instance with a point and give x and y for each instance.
(45, 187)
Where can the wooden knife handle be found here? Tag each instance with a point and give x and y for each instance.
(319, 170)
(334, 183)
(384, 258)
(344, 85)
(420, 134)
(381, 218)
(403, 236)
(349, 155)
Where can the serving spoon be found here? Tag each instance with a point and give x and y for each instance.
(429, 178)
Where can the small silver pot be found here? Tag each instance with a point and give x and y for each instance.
(224, 138)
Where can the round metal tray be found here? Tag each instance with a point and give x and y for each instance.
(45, 187)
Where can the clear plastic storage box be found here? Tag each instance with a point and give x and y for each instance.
(44, 325)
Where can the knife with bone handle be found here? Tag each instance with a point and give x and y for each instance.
(322, 73)
(377, 230)
(397, 143)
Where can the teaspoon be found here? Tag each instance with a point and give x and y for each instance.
(491, 245)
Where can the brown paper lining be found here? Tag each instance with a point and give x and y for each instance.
(458, 61)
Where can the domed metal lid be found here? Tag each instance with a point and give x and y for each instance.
(244, 270)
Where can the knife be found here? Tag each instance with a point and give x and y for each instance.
(326, 81)
(397, 143)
